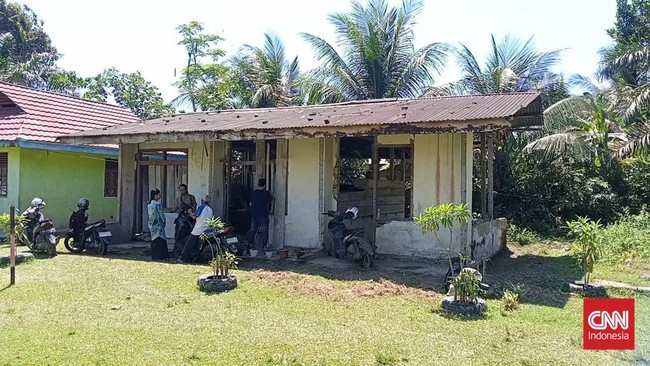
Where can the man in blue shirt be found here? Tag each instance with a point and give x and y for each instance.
(260, 203)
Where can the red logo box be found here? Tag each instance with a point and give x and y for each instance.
(608, 324)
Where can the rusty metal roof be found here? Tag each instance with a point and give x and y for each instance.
(37, 115)
(329, 117)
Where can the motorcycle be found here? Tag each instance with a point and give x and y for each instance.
(183, 228)
(214, 243)
(94, 237)
(40, 232)
(349, 242)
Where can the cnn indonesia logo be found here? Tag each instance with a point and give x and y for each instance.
(608, 324)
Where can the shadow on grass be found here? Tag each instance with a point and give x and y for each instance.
(542, 276)
(462, 317)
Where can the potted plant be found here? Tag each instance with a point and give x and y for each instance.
(465, 287)
(588, 239)
(463, 295)
(220, 279)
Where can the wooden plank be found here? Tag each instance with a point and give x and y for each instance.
(280, 193)
(490, 176)
(375, 179)
(482, 176)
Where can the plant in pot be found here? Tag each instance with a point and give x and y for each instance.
(587, 244)
(220, 279)
(447, 215)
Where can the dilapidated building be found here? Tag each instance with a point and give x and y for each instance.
(391, 158)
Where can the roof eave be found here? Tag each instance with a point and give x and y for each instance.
(293, 133)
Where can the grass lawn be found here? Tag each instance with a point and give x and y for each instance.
(60, 312)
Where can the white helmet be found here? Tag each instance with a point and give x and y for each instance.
(37, 202)
(352, 213)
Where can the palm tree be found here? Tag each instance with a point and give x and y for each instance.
(582, 127)
(512, 66)
(378, 59)
(628, 68)
(267, 78)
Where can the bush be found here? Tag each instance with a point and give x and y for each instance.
(629, 238)
(587, 246)
(521, 236)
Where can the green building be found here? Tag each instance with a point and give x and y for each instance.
(32, 164)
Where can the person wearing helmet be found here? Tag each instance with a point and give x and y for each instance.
(79, 219)
(34, 215)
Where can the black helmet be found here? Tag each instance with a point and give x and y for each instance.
(83, 203)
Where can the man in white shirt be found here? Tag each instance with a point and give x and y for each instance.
(203, 213)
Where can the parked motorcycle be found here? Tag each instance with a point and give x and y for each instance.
(184, 224)
(40, 232)
(349, 242)
(89, 237)
(217, 242)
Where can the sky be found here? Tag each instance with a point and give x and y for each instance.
(140, 35)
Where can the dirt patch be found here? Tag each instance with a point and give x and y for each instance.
(318, 287)
(383, 287)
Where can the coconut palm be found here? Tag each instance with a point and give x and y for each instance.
(511, 66)
(377, 58)
(267, 79)
(583, 127)
(628, 68)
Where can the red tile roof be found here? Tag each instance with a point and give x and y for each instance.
(43, 116)
(473, 109)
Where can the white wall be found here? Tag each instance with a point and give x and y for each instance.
(437, 175)
(303, 216)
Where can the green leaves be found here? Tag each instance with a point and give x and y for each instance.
(202, 84)
(587, 245)
(267, 77)
(445, 215)
(378, 58)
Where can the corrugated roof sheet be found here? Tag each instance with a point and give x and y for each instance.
(44, 116)
(331, 116)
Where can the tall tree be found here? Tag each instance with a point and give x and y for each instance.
(200, 83)
(267, 77)
(129, 90)
(27, 56)
(378, 58)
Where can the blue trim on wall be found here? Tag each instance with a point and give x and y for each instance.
(60, 147)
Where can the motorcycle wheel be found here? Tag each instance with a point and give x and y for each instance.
(38, 243)
(68, 243)
(366, 259)
(99, 245)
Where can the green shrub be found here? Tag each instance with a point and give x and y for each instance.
(466, 286)
(629, 238)
(5, 225)
(587, 245)
(521, 236)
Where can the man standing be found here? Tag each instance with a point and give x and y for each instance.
(261, 202)
(203, 213)
(185, 201)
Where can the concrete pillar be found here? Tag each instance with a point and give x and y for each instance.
(126, 192)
